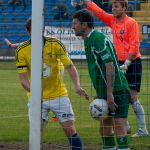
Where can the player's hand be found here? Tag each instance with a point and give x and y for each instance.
(86, 1)
(7, 42)
(111, 104)
(82, 93)
(125, 66)
(73, 2)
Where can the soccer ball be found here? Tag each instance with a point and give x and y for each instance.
(99, 109)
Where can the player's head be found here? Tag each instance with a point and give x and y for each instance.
(82, 21)
(28, 25)
(119, 7)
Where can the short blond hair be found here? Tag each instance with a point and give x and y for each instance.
(124, 3)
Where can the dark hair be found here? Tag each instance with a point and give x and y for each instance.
(28, 25)
(84, 16)
(124, 3)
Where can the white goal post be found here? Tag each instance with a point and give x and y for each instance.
(36, 75)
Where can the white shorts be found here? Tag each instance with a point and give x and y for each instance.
(61, 107)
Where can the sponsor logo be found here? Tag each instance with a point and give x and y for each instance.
(122, 31)
(66, 115)
(106, 56)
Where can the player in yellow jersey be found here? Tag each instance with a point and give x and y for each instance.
(15, 45)
(55, 96)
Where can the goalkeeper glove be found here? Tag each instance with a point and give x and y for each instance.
(125, 66)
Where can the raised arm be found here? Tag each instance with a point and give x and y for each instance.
(15, 45)
(98, 12)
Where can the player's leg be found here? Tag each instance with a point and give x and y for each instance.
(140, 115)
(45, 111)
(121, 134)
(70, 131)
(63, 110)
(127, 125)
(134, 79)
(122, 99)
(106, 132)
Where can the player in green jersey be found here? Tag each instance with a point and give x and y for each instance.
(107, 78)
(126, 37)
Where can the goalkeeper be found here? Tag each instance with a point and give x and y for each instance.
(55, 96)
(126, 39)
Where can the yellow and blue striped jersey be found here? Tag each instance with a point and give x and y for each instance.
(55, 57)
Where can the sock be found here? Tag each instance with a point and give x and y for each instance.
(109, 142)
(76, 142)
(140, 114)
(123, 143)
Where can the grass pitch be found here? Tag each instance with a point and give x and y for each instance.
(14, 118)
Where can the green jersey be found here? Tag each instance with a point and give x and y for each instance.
(99, 51)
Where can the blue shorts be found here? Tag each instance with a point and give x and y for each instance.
(134, 74)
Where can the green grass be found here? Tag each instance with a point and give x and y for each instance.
(14, 119)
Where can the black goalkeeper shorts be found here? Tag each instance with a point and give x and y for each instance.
(134, 74)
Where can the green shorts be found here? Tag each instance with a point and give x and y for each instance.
(122, 99)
